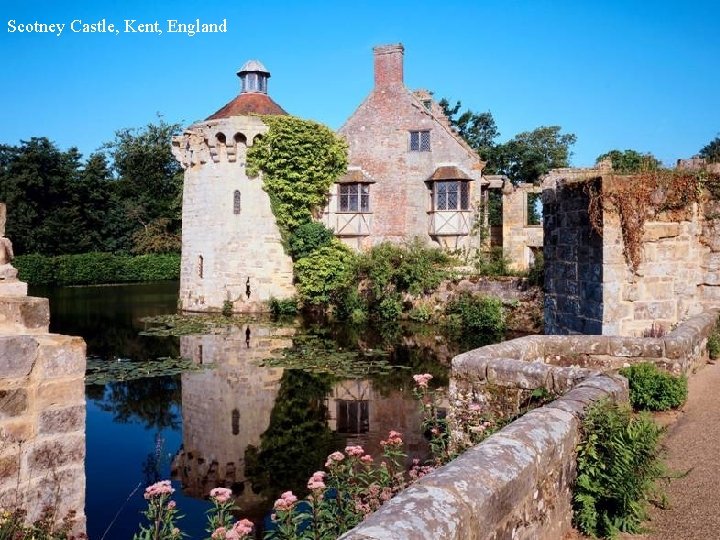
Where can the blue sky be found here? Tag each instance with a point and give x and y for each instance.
(618, 74)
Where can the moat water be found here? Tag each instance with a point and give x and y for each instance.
(229, 421)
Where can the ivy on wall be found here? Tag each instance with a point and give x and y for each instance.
(300, 160)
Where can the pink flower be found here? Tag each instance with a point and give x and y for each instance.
(354, 450)
(159, 489)
(221, 495)
(176, 531)
(422, 380)
(334, 458)
(286, 501)
(171, 505)
(243, 527)
(219, 533)
(394, 439)
(316, 481)
(367, 458)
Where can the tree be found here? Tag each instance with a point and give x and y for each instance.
(147, 199)
(630, 161)
(711, 151)
(529, 155)
(478, 129)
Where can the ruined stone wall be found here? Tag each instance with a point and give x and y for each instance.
(229, 240)
(518, 237)
(42, 413)
(590, 286)
(518, 482)
(573, 258)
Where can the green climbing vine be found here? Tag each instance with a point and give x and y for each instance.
(300, 160)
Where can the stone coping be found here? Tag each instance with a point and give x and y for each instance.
(515, 484)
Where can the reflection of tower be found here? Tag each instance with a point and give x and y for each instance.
(226, 407)
(366, 416)
(231, 245)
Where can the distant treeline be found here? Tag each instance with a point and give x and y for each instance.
(96, 268)
(124, 198)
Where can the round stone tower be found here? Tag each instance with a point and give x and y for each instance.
(231, 245)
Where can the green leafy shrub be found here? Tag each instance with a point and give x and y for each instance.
(492, 263)
(300, 160)
(618, 465)
(479, 315)
(283, 308)
(389, 308)
(652, 389)
(421, 313)
(323, 275)
(713, 344)
(536, 273)
(96, 268)
(307, 238)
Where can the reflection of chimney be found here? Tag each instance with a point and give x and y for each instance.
(388, 65)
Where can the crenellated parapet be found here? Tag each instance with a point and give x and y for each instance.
(217, 141)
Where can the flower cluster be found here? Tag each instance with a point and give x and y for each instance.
(394, 439)
(221, 495)
(334, 458)
(422, 380)
(240, 530)
(316, 481)
(158, 489)
(285, 502)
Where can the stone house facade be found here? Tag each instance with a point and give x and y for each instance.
(409, 175)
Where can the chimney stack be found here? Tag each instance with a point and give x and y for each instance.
(388, 65)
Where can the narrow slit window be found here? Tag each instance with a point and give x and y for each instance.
(201, 263)
(236, 202)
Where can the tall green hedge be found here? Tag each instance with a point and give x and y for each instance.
(96, 268)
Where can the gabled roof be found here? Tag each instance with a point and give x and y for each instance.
(248, 103)
(448, 172)
(355, 175)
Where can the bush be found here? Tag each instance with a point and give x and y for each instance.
(492, 263)
(713, 344)
(618, 465)
(652, 389)
(283, 308)
(479, 315)
(96, 268)
(389, 308)
(324, 274)
(307, 238)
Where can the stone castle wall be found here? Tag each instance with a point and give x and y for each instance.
(230, 240)
(42, 413)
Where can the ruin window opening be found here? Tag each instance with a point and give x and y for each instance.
(201, 264)
(534, 210)
(354, 197)
(235, 421)
(237, 207)
(451, 195)
(420, 141)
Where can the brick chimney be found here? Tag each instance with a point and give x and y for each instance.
(388, 65)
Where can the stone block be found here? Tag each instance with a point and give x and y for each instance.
(565, 378)
(60, 392)
(657, 230)
(13, 402)
(24, 314)
(518, 374)
(625, 346)
(17, 356)
(13, 288)
(61, 356)
(57, 452)
(62, 420)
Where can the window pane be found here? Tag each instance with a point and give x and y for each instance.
(414, 140)
(424, 141)
(364, 197)
(534, 209)
(343, 203)
(464, 195)
(353, 200)
(452, 200)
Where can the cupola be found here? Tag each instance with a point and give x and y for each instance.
(253, 78)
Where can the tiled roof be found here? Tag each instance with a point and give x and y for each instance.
(355, 175)
(248, 103)
(448, 172)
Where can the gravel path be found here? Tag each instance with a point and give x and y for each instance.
(693, 444)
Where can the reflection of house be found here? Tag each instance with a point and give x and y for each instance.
(226, 408)
(366, 416)
(410, 175)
